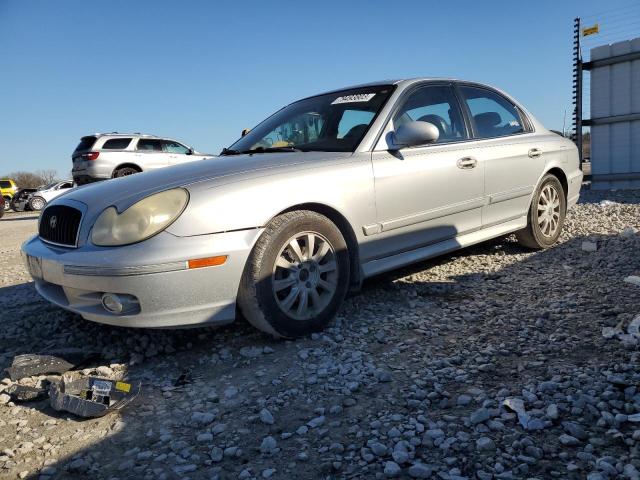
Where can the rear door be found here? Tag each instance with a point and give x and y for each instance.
(431, 193)
(513, 162)
(149, 154)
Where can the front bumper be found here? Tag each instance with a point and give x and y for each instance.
(153, 273)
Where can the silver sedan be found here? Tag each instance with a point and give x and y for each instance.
(324, 193)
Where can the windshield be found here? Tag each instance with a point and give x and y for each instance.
(335, 122)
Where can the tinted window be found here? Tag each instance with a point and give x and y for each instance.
(174, 147)
(116, 144)
(5, 184)
(436, 105)
(492, 114)
(149, 145)
(86, 143)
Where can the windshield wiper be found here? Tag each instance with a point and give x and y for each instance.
(229, 151)
(271, 150)
(251, 151)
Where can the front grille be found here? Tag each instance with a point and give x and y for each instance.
(59, 224)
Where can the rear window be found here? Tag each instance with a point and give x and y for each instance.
(86, 143)
(5, 184)
(116, 144)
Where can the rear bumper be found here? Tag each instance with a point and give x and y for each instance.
(574, 185)
(161, 294)
(91, 170)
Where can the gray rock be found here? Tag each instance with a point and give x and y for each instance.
(268, 445)
(568, 440)
(485, 444)
(266, 417)
(216, 454)
(480, 415)
(392, 470)
(419, 470)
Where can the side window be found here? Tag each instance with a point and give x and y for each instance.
(174, 147)
(354, 123)
(492, 114)
(437, 105)
(116, 144)
(66, 185)
(149, 145)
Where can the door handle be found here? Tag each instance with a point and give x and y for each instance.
(467, 163)
(535, 152)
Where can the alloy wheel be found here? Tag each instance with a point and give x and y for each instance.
(549, 210)
(305, 275)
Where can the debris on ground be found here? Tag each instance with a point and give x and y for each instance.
(631, 337)
(633, 280)
(91, 396)
(53, 362)
(25, 393)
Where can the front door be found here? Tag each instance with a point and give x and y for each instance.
(430, 193)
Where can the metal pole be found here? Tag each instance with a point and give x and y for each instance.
(577, 88)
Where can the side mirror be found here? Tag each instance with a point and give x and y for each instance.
(189, 152)
(412, 134)
(245, 131)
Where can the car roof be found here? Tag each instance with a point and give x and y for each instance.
(397, 81)
(118, 134)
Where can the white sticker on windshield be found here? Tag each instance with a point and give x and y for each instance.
(359, 97)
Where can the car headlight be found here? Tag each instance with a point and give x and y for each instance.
(141, 220)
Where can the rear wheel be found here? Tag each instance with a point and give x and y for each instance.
(296, 276)
(546, 215)
(37, 203)
(124, 171)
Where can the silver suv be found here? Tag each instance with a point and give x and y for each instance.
(109, 155)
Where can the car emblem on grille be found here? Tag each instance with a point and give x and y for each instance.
(53, 221)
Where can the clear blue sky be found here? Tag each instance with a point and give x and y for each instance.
(200, 71)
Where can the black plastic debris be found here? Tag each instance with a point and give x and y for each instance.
(183, 379)
(91, 396)
(57, 361)
(25, 393)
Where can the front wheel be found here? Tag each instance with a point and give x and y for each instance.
(7, 203)
(296, 276)
(546, 215)
(37, 203)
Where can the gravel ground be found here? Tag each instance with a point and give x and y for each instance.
(409, 382)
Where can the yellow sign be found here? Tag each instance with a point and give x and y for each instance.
(123, 387)
(591, 30)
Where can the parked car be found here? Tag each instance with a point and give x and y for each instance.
(39, 199)
(8, 188)
(110, 155)
(20, 200)
(323, 194)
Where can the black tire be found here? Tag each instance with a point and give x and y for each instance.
(1, 212)
(533, 236)
(124, 171)
(261, 303)
(37, 203)
(7, 203)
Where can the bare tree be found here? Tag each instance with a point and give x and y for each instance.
(47, 176)
(32, 179)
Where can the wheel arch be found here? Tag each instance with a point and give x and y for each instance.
(345, 228)
(125, 165)
(560, 175)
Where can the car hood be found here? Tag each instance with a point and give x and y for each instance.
(125, 191)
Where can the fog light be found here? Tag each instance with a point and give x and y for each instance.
(112, 303)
